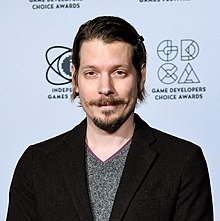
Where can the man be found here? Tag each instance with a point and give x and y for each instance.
(112, 166)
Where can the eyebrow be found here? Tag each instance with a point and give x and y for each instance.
(113, 67)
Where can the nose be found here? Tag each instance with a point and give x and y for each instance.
(105, 86)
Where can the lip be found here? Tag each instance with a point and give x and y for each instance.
(108, 107)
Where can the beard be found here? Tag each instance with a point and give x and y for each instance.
(110, 124)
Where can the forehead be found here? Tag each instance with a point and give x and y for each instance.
(98, 49)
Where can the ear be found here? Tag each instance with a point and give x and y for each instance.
(74, 80)
(143, 76)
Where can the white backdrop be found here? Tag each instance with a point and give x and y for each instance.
(182, 38)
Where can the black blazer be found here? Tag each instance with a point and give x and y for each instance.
(164, 179)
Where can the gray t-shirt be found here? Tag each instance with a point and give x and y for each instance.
(103, 179)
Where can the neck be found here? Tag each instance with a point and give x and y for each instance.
(104, 144)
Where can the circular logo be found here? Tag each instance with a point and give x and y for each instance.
(167, 73)
(59, 61)
(166, 51)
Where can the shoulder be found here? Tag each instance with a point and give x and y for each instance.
(173, 142)
(174, 155)
(165, 143)
(56, 144)
(178, 151)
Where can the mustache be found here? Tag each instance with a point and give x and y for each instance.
(107, 101)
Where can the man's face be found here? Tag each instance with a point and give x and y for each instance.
(107, 83)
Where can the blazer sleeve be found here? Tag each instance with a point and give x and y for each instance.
(194, 201)
(21, 195)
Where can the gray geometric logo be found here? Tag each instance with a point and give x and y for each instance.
(188, 76)
(166, 51)
(189, 50)
(167, 73)
(59, 65)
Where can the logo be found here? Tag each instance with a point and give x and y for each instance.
(59, 65)
(167, 73)
(54, 4)
(189, 50)
(58, 72)
(177, 71)
(166, 51)
(188, 76)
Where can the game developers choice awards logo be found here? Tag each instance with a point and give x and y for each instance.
(176, 73)
(54, 4)
(58, 73)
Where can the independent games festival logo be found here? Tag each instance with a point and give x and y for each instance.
(58, 73)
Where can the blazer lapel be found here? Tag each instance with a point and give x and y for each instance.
(73, 162)
(138, 163)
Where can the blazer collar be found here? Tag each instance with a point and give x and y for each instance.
(139, 160)
(73, 162)
(138, 163)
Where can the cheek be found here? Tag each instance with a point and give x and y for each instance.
(126, 89)
(131, 90)
(86, 92)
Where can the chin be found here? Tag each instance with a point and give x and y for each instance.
(110, 125)
(110, 122)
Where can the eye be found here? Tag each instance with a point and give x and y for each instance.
(120, 74)
(90, 74)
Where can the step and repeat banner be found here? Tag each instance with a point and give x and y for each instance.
(182, 38)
